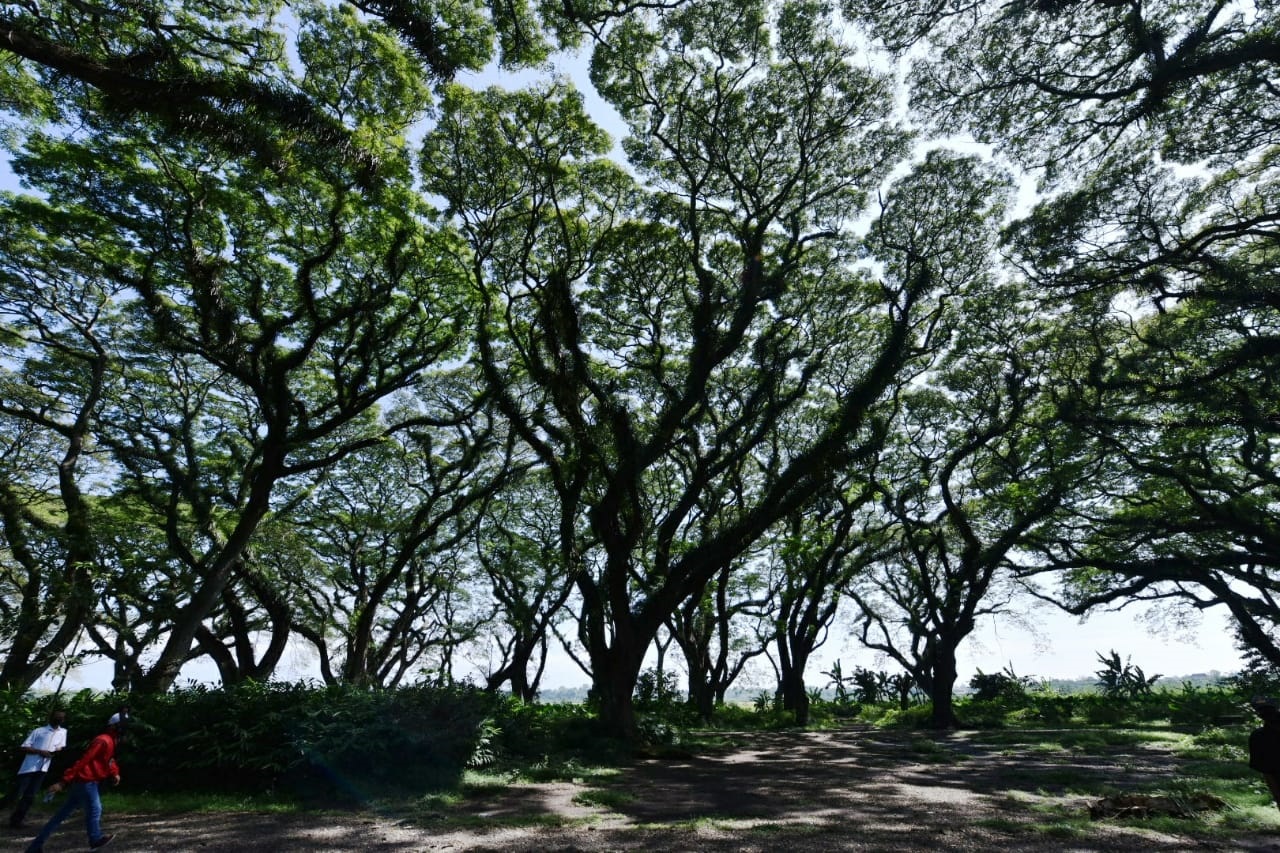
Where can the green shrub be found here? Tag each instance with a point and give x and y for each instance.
(876, 712)
(1005, 685)
(289, 737)
(914, 717)
(1051, 708)
(1204, 706)
(734, 716)
(657, 691)
(1105, 710)
(983, 714)
(19, 714)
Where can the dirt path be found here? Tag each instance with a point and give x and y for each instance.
(814, 791)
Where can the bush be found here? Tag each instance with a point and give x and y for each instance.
(914, 717)
(425, 736)
(876, 713)
(287, 737)
(983, 714)
(1005, 686)
(657, 691)
(1205, 707)
(1051, 708)
(735, 716)
(20, 714)
(1104, 710)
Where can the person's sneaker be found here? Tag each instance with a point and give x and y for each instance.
(102, 842)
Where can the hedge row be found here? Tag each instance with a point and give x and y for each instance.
(280, 735)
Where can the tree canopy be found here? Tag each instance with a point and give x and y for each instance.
(304, 344)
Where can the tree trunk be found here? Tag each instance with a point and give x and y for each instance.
(792, 658)
(795, 698)
(614, 682)
(941, 688)
(702, 694)
(702, 697)
(516, 673)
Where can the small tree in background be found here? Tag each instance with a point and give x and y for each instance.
(1123, 681)
(1006, 685)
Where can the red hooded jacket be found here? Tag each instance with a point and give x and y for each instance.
(98, 762)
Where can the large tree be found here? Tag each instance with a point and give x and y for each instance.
(264, 313)
(385, 531)
(1186, 512)
(1153, 127)
(646, 341)
(812, 555)
(720, 632)
(517, 547)
(977, 456)
(220, 72)
(979, 461)
(56, 358)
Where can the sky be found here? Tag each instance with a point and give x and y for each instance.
(1051, 645)
(1061, 647)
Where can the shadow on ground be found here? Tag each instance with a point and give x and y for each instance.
(811, 791)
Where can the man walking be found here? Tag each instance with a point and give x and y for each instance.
(38, 748)
(98, 764)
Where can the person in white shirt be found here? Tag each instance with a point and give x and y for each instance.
(39, 747)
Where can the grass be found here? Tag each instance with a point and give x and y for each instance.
(548, 770)
(931, 752)
(1003, 824)
(608, 798)
(184, 802)
(1062, 829)
(1078, 739)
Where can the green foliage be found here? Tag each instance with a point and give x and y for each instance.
(913, 717)
(554, 733)
(1204, 706)
(661, 709)
(1191, 705)
(824, 712)
(875, 714)
(1124, 680)
(766, 713)
(1259, 676)
(870, 685)
(735, 717)
(837, 680)
(657, 691)
(294, 737)
(984, 713)
(766, 701)
(1005, 685)
(1051, 708)
(20, 714)
(1102, 710)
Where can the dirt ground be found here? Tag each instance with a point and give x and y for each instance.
(812, 791)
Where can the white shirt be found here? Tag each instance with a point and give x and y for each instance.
(47, 738)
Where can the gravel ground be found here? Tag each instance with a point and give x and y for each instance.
(813, 791)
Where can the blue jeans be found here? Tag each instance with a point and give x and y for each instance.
(81, 794)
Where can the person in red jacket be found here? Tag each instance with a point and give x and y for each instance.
(97, 765)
